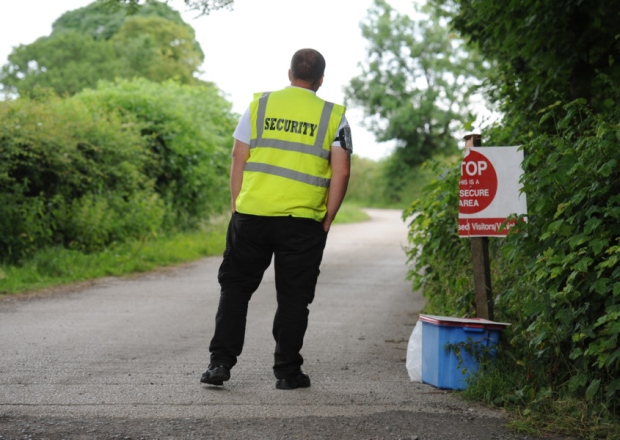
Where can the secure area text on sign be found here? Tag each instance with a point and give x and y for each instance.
(489, 191)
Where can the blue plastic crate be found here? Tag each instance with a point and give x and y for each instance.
(440, 365)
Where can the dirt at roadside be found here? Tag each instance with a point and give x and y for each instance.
(389, 426)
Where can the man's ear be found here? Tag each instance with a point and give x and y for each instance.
(290, 75)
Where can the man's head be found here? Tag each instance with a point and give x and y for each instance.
(307, 69)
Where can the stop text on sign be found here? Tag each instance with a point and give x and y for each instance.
(473, 168)
(478, 184)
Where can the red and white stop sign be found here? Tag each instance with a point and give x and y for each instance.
(478, 184)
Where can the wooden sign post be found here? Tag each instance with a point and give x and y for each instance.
(480, 259)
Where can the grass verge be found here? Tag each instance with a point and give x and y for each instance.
(350, 213)
(58, 266)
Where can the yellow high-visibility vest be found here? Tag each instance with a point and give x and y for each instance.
(288, 171)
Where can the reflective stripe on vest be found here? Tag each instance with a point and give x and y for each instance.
(289, 174)
(315, 150)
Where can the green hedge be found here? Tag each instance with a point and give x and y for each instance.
(188, 132)
(66, 172)
(556, 278)
(126, 161)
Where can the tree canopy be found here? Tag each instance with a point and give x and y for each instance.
(416, 84)
(157, 49)
(97, 43)
(416, 88)
(102, 21)
(204, 7)
(545, 50)
(67, 63)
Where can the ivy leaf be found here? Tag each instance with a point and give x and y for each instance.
(583, 264)
(610, 262)
(576, 353)
(593, 389)
(577, 240)
(598, 244)
(613, 212)
(555, 226)
(612, 358)
(607, 168)
(556, 271)
(613, 387)
(591, 225)
(546, 116)
(578, 337)
(600, 286)
(577, 381)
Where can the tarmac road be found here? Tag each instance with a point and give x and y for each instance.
(121, 358)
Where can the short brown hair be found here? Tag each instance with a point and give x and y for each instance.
(308, 65)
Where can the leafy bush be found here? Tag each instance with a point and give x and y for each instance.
(381, 184)
(364, 181)
(54, 155)
(569, 295)
(439, 259)
(95, 222)
(187, 130)
(127, 161)
(556, 277)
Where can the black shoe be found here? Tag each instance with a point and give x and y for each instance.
(299, 380)
(216, 375)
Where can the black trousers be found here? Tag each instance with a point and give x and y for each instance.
(296, 245)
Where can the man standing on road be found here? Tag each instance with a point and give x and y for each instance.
(290, 171)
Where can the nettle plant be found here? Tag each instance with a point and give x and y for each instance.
(571, 283)
(439, 261)
(556, 277)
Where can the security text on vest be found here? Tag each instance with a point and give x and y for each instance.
(287, 125)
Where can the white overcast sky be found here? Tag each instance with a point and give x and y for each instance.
(247, 49)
